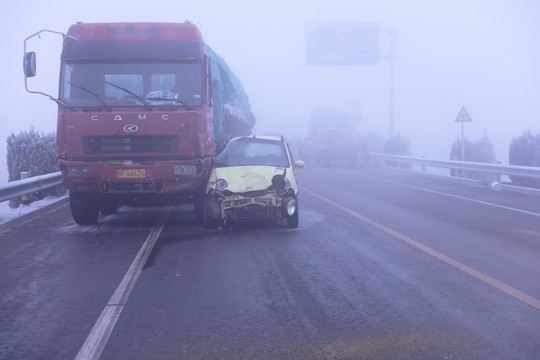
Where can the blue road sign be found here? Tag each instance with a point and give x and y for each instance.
(336, 44)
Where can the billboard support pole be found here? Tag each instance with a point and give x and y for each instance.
(392, 59)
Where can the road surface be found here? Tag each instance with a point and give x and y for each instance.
(383, 266)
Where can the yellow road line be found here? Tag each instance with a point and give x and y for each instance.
(521, 296)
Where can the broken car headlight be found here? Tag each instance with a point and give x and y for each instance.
(279, 182)
(221, 185)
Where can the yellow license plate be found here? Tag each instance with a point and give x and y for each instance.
(131, 173)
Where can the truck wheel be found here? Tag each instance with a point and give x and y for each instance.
(293, 220)
(212, 212)
(84, 207)
(107, 207)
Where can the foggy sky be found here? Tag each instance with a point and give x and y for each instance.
(484, 55)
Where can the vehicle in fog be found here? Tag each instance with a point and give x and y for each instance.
(254, 177)
(138, 109)
(333, 137)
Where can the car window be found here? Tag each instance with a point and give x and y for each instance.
(253, 151)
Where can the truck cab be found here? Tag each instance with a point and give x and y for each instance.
(135, 118)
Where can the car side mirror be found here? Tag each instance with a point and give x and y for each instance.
(29, 64)
(299, 164)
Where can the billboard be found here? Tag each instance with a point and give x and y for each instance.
(336, 44)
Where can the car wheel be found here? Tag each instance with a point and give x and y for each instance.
(198, 206)
(212, 212)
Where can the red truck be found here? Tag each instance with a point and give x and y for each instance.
(137, 108)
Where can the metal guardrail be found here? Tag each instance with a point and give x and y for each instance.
(511, 170)
(26, 186)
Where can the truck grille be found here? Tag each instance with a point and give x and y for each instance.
(130, 144)
(132, 187)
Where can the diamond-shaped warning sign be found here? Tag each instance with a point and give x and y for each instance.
(463, 115)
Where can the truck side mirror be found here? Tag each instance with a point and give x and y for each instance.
(29, 64)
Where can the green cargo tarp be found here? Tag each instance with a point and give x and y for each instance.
(232, 111)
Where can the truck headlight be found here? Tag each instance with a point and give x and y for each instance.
(78, 170)
(185, 169)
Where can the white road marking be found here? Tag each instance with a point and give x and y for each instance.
(98, 337)
(463, 198)
(519, 295)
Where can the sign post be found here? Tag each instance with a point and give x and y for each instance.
(391, 56)
(462, 117)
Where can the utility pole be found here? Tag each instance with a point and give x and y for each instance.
(391, 56)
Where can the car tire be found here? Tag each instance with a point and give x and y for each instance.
(198, 206)
(212, 212)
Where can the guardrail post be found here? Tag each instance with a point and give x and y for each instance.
(25, 199)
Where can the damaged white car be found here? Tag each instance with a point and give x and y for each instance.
(254, 178)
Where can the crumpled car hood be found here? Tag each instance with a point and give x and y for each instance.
(248, 178)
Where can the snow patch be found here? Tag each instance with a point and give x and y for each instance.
(8, 214)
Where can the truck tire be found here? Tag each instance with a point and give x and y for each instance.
(108, 207)
(84, 207)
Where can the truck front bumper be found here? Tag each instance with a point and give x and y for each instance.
(163, 177)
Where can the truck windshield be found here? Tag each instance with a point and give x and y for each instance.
(154, 83)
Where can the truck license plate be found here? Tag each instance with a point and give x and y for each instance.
(131, 173)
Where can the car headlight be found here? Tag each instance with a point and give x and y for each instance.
(222, 184)
(185, 169)
(78, 170)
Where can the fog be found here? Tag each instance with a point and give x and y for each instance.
(484, 55)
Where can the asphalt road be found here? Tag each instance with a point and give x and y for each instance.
(382, 266)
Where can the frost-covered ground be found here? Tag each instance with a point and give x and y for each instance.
(7, 213)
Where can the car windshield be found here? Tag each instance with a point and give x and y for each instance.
(253, 151)
(129, 84)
